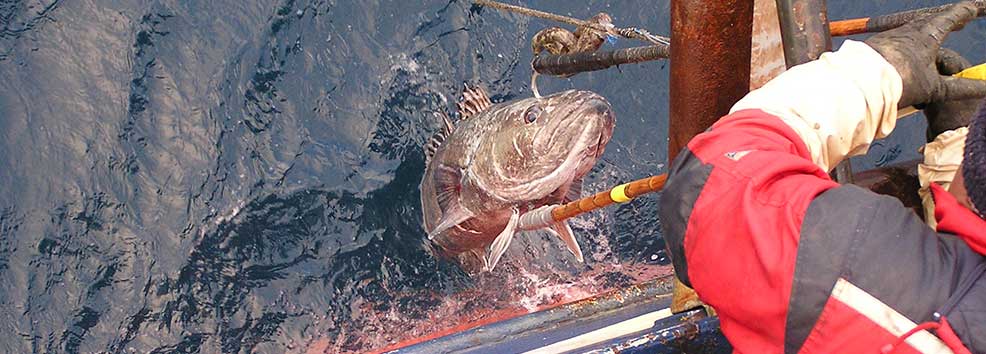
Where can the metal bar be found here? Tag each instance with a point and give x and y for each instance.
(568, 64)
(710, 64)
(804, 29)
(605, 198)
(889, 21)
(805, 33)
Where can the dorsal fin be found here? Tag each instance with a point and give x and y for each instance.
(436, 140)
(474, 100)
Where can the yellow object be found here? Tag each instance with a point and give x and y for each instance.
(977, 72)
(619, 194)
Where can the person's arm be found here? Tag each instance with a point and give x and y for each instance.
(837, 104)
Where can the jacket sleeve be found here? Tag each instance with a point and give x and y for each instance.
(837, 104)
(735, 198)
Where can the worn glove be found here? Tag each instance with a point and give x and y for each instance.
(949, 115)
(913, 48)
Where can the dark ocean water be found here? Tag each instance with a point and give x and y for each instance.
(242, 176)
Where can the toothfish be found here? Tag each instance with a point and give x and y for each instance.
(501, 161)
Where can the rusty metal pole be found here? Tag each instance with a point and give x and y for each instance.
(710, 64)
(710, 71)
(805, 32)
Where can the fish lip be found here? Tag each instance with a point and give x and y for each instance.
(595, 105)
(600, 119)
(604, 139)
(598, 106)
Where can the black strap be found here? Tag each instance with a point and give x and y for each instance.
(962, 290)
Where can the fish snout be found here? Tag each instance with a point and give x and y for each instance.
(602, 119)
(599, 107)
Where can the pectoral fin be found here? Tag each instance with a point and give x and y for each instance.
(478, 253)
(564, 232)
(455, 215)
(501, 242)
(447, 184)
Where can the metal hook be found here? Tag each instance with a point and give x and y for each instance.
(534, 80)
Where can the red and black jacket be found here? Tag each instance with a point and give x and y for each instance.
(794, 262)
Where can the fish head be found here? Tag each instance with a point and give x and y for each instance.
(539, 145)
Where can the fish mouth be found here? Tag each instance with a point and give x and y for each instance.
(597, 150)
(579, 115)
(597, 106)
(591, 122)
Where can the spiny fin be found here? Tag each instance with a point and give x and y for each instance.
(448, 181)
(439, 138)
(499, 245)
(574, 191)
(474, 100)
(450, 218)
(564, 232)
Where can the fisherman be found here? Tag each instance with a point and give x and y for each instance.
(792, 261)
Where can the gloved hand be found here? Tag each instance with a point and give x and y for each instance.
(912, 50)
(948, 115)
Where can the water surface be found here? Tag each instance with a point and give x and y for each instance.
(242, 176)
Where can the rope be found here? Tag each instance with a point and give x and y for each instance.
(632, 33)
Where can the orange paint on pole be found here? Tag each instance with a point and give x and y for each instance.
(602, 199)
(848, 27)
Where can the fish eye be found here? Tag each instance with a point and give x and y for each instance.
(532, 114)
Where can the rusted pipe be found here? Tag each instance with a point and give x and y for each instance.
(805, 33)
(710, 64)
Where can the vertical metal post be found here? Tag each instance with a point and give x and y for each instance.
(804, 29)
(710, 71)
(805, 32)
(710, 64)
